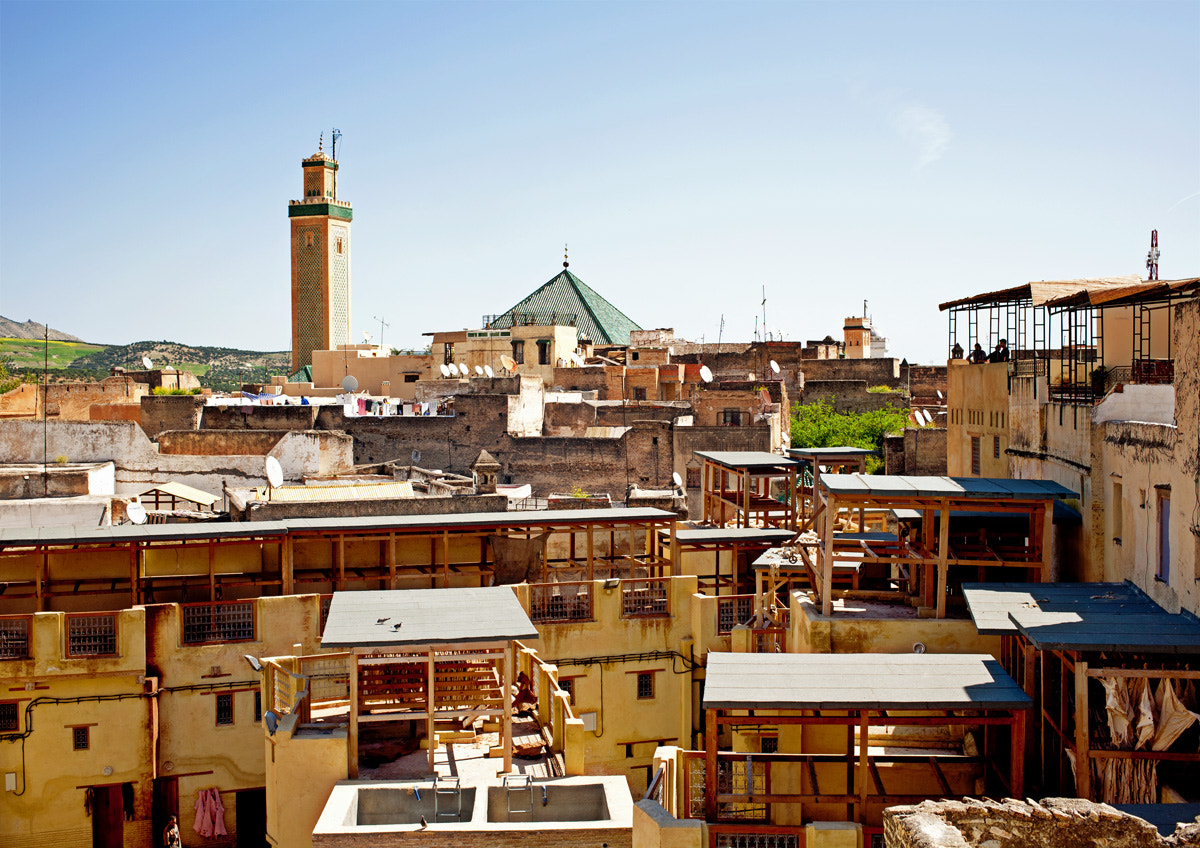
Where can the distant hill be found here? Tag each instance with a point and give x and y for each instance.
(221, 368)
(10, 329)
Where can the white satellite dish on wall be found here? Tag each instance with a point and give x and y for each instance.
(478, 370)
(508, 362)
(147, 363)
(135, 511)
(350, 383)
(487, 369)
(706, 373)
(274, 472)
(676, 479)
(577, 358)
(462, 369)
(774, 367)
(445, 371)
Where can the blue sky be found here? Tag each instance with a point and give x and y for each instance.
(689, 153)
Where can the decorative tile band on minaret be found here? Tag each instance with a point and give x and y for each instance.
(320, 251)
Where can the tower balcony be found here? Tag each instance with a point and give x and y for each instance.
(311, 201)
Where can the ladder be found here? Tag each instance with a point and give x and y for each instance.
(448, 786)
(517, 784)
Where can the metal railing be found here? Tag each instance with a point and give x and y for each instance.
(14, 637)
(551, 603)
(733, 610)
(527, 319)
(1153, 371)
(328, 677)
(645, 598)
(91, 634)
(226, 621)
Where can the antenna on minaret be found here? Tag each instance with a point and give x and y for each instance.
(321, 142)
(565, 262)
(1152, 256)
(336, 134)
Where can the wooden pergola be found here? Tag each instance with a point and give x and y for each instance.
(736, 486)
(924, 565)
(115, 567)
(738, 541)
(1064, 642)
(429, 654)
(867, 766)
(817, 461)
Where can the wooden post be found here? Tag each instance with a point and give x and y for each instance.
(212, 575)
(287, 567)
(430, 709)
(1083, 759)
(445, 559)
(827, 558)
(1029, 684)
(352, 738)
(391, 560)
(339, 555)
(710, 764)
(591, 551)
(943, 555)
(864, 778)
(134, 582)
(43, 569)
(747, 483)
(675, 572)
(1017, 763)
(506, 737)
(1047, 541)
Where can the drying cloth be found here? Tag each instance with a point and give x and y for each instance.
(1174, 717)
(210, 814)
(517, 560)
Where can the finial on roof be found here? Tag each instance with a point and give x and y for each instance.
(321, 142)
(566, 264)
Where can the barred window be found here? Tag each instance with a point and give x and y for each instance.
(645, 685)
(81, 738)
(10, 716)
(568, 686)
(224, 708)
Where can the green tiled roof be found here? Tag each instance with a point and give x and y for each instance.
(566, 299)
(304, 375)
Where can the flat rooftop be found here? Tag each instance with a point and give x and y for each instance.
(409, 617)
(748, 460)
(685, 535)
(1081, 617)
(820, 454)
(859, 681)
(904, 486)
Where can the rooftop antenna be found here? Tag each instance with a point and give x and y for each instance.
(336, 135)
(382, 324)
(764, 307)
(1152, 256)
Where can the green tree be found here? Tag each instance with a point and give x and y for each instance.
(818, 425)
(8, 381)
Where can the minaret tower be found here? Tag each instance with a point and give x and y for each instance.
(320, 261)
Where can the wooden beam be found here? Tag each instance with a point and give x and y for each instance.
(1017, 763)
(1083, 763)
(864, 730)
(710, 765)
(352, 746)
(506, 684)
(430, 710)
(943, 555)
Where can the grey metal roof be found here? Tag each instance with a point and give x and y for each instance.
(1081, 617)
(824, 453)
(425, 617)
(904, 486)
(742, 535)
(747, 459)
(125, 533)
(868, 681)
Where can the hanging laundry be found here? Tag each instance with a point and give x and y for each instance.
(210, 814)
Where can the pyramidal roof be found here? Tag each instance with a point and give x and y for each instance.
(568, 300)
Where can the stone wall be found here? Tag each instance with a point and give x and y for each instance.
(925, 381)
(1054, 823)
(876, 372)
(171, 412)
(219, 442)
(259, 511)
(850, 395)
(251, 417)
(918, 451)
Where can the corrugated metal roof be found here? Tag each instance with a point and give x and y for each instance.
(1041, 291)
(905, 486)
(1081, 617)
(597, 320)
(425, 617)
(321, 494)
(1143, 292)
(866, 681)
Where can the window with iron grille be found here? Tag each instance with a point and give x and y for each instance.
(543, 347)
(757, 840)
(732, 418)
(645, 685)
(568, 686)
(10, 718)
(518, 352)
(693, 478)
(995, 447)
(326, 600)
(644, 599)
(732, 611)
(552, 602)
(257, 707)
(14, 638)
(770, 744)
(224, 708)
(975, 455)
(224, 622)
(81, 738)
(91, 635)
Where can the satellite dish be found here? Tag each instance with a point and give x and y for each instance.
(367, 336)
(676, 479)
(147, 363)
(462, 368)
(577, 358)
(478, 370)
(487, 369)
(706, 373)
(750, 376)
(445, 371)
(274, 472)
(928, 417)
(416, 456)
(508, 362)
(918, 647)
(135, 511)
(774, 367)
(350, 383)
(939, 391)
